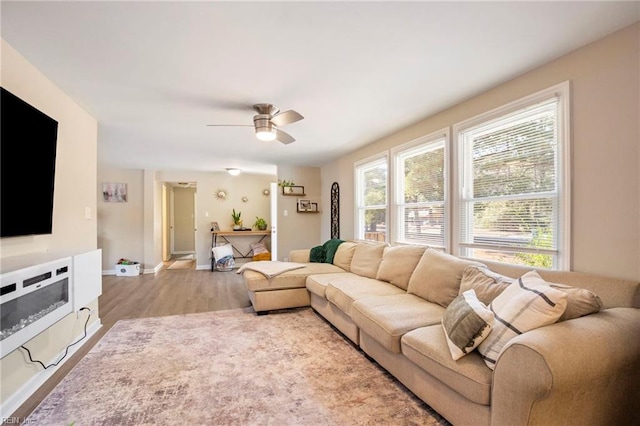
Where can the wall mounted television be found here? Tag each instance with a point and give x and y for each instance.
(28, 141)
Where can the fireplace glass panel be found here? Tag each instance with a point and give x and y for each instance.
(18, 313)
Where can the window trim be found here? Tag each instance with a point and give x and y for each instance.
(384, 156)
(395, 192)
(563, 92)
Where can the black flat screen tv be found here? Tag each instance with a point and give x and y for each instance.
(28, 141)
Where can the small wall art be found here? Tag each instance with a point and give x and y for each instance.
(113, 192)
(304, 205)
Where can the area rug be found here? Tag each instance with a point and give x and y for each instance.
(229, 368)
(182, 264)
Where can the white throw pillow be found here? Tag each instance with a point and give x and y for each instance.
(526, 304)
(466, 323)
(221, 251)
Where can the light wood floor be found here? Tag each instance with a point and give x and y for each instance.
(169, 292)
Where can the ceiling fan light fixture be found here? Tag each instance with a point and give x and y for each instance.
(266, 133)
(233, 171)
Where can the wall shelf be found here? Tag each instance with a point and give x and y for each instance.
(294, 191)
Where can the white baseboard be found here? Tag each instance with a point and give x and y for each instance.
(144, 271)
(21, 395)
(154, 270)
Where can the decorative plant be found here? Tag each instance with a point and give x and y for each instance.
(261, 224)
(236, 217)
(284, 182)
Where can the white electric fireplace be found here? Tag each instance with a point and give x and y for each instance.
(32, 299)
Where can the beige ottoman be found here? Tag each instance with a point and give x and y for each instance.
(287, 290)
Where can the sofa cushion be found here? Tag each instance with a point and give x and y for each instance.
(526, 304)
(466, 322)
(469, 376)
(255, 281)
(580, 301)
(387, 318)
(437, 277)
(343, 292)
(398, 264)
(366, 259)
(486, 283)
(344, 255)
(300, 255)
(317, 283)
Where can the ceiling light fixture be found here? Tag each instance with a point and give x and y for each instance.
(265, 129)
(266, 134)
(233, 171)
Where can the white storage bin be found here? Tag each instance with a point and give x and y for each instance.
(128, 270)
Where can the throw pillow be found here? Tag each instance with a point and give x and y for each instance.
(525, 305)
(366, 259)
(437, 277)
(580, 301)
(222, 251)
(259, 248)
(486, 283)
(466, 323)
(398, 264)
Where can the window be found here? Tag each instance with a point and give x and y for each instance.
(513, 185)
(420, 191)
(371, 196)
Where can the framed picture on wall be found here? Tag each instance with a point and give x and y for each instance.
(304, 205)
(113, 192)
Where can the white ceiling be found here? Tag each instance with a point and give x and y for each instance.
(155, 73)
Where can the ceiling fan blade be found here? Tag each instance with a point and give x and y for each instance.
(286, 117)
(284, 137)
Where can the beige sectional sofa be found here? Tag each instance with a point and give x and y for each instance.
(390, 301)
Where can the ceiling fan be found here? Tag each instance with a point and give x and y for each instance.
(268, 121)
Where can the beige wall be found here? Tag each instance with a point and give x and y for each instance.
(135, 230)
(605, 150)
(298, 230)
(120, 225)
(75, 192)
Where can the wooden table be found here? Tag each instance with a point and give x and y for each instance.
(225, 235)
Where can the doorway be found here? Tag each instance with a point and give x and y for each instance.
(179, 220)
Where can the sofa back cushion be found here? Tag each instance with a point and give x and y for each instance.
(366, 259)
(344, 255)
(484, 282)
(437, 277)
(398, 264)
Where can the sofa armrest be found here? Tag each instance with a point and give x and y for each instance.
(300, 255)
(582, 371)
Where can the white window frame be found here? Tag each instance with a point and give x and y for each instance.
(359, 168)
(435, 140)
(560, 91)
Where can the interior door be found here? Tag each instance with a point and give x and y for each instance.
(166, 230)
(274, 220)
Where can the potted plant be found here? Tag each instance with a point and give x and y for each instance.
(261, 224)
(286, 185)
(237, 222)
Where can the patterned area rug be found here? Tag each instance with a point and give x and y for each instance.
(229, 367)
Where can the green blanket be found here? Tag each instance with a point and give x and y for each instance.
(325, 252)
